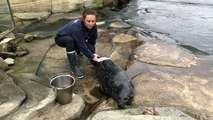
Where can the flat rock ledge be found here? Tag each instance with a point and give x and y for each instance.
(64, 112)
(38, 98)
(163, 113)
(162, 53)
(33, 101)
(11, 95)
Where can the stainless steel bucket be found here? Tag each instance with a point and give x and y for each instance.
(63, 85)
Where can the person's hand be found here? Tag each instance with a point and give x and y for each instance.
(96, 55)
(97, 58)
(102, 59)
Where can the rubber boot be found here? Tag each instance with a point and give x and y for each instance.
(73, 66)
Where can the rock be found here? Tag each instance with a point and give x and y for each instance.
(89, 99)
(3, 34)
(142, 37)
(10, 61)
(64, 112)
(163, 53)
(189, 88)
(7, 55)
(28, 37)
(19, 6)
(164, 113)
(104, 43)
(6, 45)
(42, 34)
(39, 98)
(120, 55)
(100, 23)
(32, 15)
(120, 24)
(123, 38)
(63, 16)
(10, 35)
(64, 6)
(11, 95)
(5, 40)
(6, 34)
(163, 37)
(3, 65)
(110, 3)
(22, 53)
(106, 104)
(36, 35)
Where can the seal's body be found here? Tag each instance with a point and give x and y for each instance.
(115, 82)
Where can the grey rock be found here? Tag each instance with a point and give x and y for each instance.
(10, 61)
(32, 15)
(190, 88)
(63, 16)
(3, 65)
(119, 24)
(37, 35)
(22, 53)
(8, 55)
(162, 53)
(39, 98)
(164, 113)
(11, 95)
(3, 34)
(64, 112)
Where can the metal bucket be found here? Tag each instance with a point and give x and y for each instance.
(62, 85)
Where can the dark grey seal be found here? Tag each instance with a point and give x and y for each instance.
(115, 82)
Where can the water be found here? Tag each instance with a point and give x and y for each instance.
(190, 22)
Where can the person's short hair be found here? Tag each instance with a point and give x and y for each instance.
(89, 11)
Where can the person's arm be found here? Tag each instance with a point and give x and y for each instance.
(93, 37)
(77, 35)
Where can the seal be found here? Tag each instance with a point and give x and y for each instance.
(115, 82)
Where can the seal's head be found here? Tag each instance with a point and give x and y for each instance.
(125, 96)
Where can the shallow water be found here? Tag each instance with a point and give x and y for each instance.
(189, 22)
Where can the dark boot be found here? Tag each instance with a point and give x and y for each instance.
(73, 66)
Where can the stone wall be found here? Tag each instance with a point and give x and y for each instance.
(38, 9)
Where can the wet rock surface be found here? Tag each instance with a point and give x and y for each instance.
(187, 88)
(164, 54)
(11, 94)
(63, 112)
(163, 113)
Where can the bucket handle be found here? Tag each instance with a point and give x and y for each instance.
(58, 74)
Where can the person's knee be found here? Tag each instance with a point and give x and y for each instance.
(69, 43)
(65, 41)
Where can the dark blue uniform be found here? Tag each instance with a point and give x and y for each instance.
(84, 38)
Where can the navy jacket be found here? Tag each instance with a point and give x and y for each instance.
(81, 35)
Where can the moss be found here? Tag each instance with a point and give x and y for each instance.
(97, 4)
